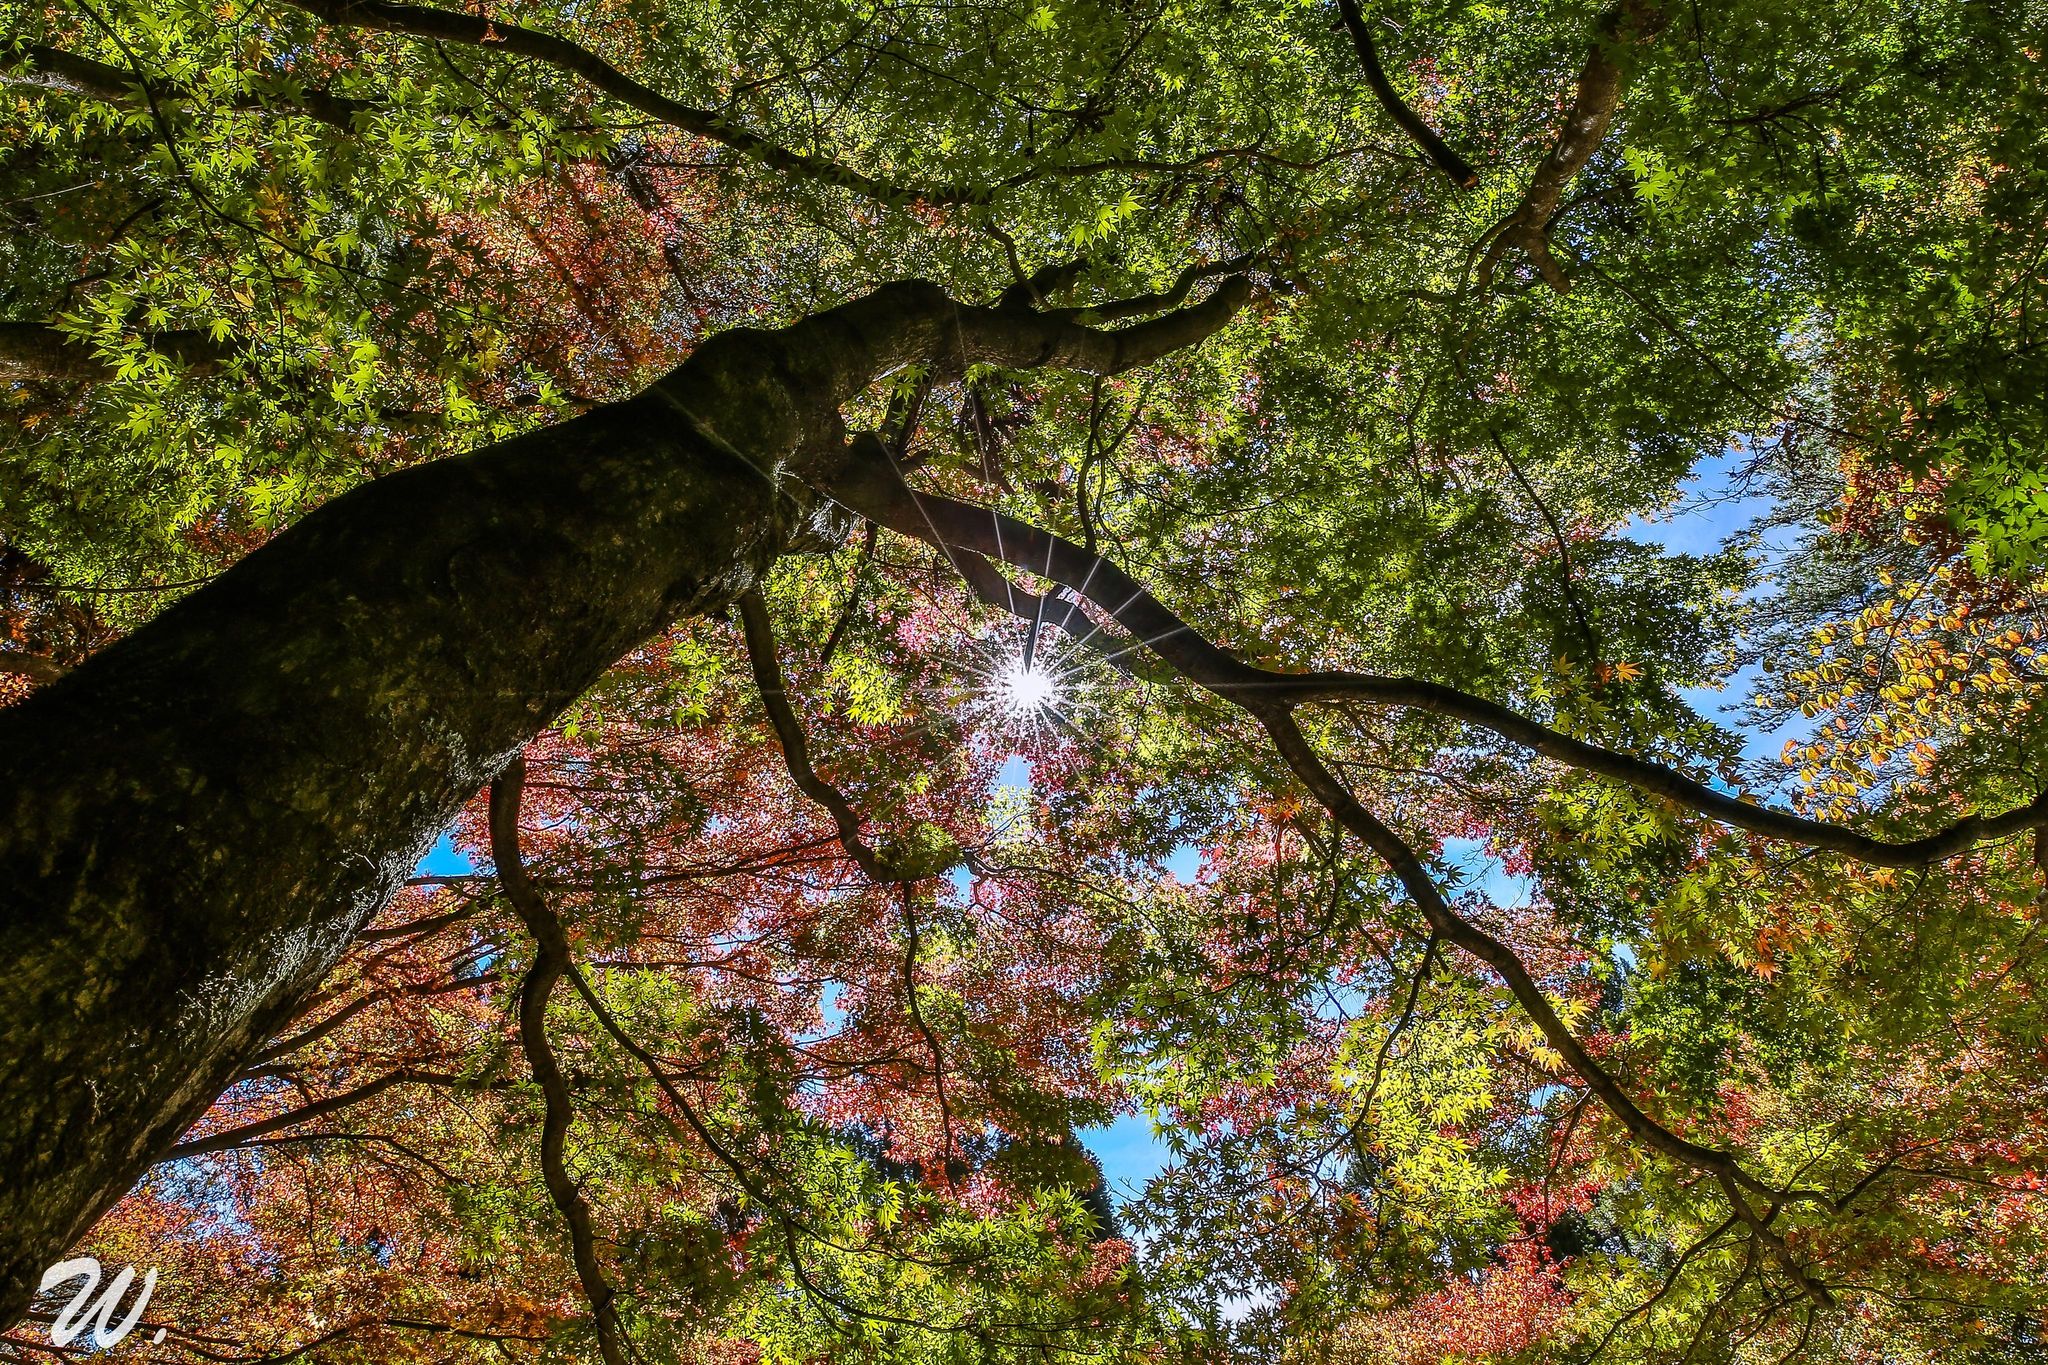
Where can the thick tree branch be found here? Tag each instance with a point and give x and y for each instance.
(35, 350)
(874, 489)
(1411, 123)
(55, 69)
(34, 667)
(830, 358)
(1632, 23)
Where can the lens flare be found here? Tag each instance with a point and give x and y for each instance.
(1024, 688)
(1030, 684)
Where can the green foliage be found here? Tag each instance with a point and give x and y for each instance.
(281, 256)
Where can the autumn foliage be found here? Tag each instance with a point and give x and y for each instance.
(1561, 1031)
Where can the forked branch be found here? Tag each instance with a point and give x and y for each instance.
(1527, 228)
(232, 1138)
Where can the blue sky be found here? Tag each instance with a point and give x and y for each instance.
(1711, 507)
(444, 860)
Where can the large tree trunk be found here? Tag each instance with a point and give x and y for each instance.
(200, 818)
(194, 823)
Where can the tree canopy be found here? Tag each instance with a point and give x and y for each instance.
(1240, 434)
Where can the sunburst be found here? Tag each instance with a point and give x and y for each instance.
(1024, 687)
(1027, 682)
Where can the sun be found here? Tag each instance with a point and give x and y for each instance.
(1024, 688)
(1027, 688)
(1029, 684)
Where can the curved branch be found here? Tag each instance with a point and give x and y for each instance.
(236, 1137)
(374, 1139)
(1760, 1227)
(550, 963)
(439, 25)
(1669, 1283)
(789, 732)
(313, 1033)
(796, 754)
(911, 951)
(1411, 123)
(878, 492)
(1453, 928)
(1655, 779)
(1564, 550)
(1631, 23)
(869, 537)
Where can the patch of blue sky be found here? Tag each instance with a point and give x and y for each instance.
(1479, 870)
(1715, 503)
(1131, 1155)
(1185, 863)
(444, 859)
(1718, 503)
